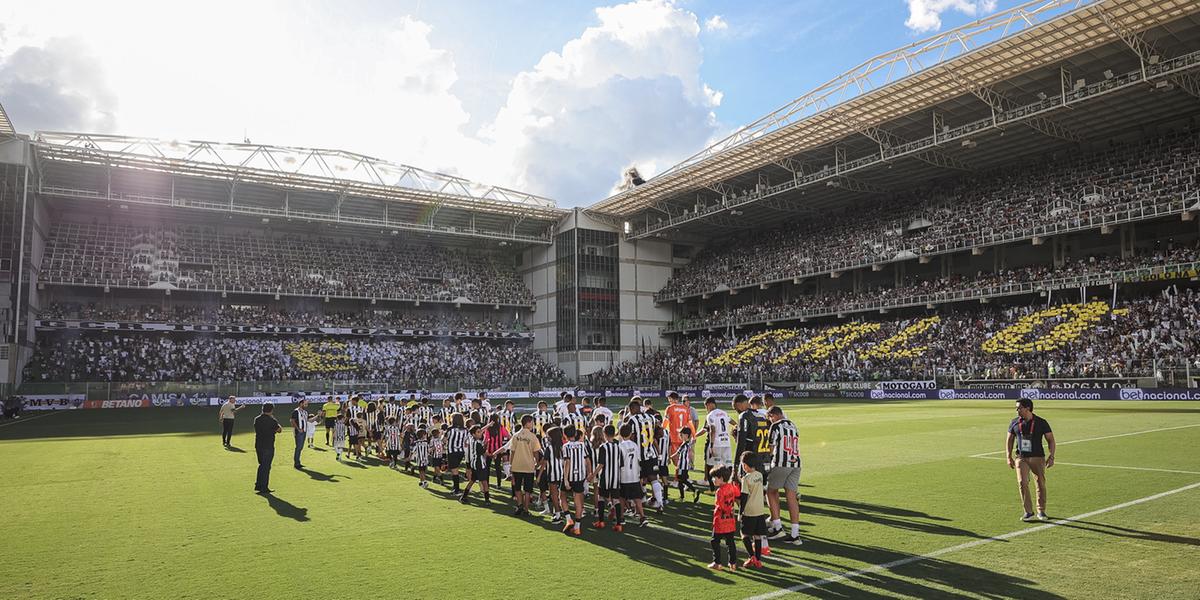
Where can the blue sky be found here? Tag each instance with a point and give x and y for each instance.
(554, 98)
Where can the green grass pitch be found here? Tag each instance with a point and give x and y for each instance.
(146, 504)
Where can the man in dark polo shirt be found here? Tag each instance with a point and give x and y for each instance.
(1028, 430)
(265, 428)
(299, 429)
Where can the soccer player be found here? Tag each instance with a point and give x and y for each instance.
(753, 431)
(542, 418)
(678, 417)
(602, 410)
(392, 437)
(507, 415)
(642, 426)
(662, 450)
(552, 466)
(447, 410)
(477, 465)
(571, 415)
(1028, 430)
(478, 415)
(683, 462)
(608, 476)
(724, 523)
(352, 432)
(754, 511)
(330, 410)
(630, 477)
(577, 469)
(784, 474)
(339, 435)
(456, 447)
(420, 455)
(719, 429)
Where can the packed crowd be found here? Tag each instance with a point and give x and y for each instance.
(157, 357)
(917, 290)
(961, 214)
(1070, 340)
(194, 257)
(235, 314)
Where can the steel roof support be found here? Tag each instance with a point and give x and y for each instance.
(1146, 52)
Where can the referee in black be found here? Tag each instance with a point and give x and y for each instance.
(265, 428)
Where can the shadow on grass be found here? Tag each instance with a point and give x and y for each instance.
(319, 476)
(1136, 534)
(286, 509)
(235, 449)
(900, 518)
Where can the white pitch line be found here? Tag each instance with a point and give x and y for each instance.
(778, 559)
(965, 546)
(28, 419)
(1103, 437)
(1105, 466)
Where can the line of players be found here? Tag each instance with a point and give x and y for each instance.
(581, 449)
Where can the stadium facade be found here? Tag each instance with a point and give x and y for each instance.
(1051, 78)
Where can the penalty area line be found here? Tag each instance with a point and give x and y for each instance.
(1069, 464)
(965, 546)
(1103, 437)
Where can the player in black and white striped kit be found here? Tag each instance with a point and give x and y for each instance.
(683, 458)
(784, 474)
(662, 449)
(607, 464)
(552, 471)
(643, 426)
(477, 465)
(392, 437)
(420, 455)
(456, 447)
(577, 469)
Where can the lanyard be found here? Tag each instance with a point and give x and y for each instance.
(1031, 423)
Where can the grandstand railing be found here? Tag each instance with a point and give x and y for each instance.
(1141, 274)
(122, 390)
(258, 211)
(1128, 212)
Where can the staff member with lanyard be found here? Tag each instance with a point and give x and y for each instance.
(265, 428)
(225, 416)
(1028, 430)
(299, 428)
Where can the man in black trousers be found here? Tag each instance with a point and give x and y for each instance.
(265, 428)
(299, 429)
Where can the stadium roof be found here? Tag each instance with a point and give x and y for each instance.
(894, 106)
(6, 126)
(302, 183)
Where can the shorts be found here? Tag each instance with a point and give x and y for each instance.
(784, 478)
(329, 422)
(393, 454)
(664, 470)
(437, 461)
(454, 460)
(631, 491)
(354, 440)
(479, 469)
(613, 493)
(765, 469)
(720, 457)
(754, 525)
(575, 487)
(523, 481)
(544, 482)
(649, 468)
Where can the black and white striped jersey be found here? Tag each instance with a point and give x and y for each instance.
(393, 437)
(663, 448)
(577, 454)
(506, 420)
(456, 440)
(554, 462)
(339, 433)
(574, 418)
(785, 444)
(420, 453)
(446, 413)
(542, 420)
(437, 447)
(643, 434)
(476, 456)
(608, 462)
(683, 456)
(424, 414)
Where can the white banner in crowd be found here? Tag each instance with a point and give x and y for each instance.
(50, 324)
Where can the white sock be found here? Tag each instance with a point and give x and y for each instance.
(656, 487)
(765, 543)
(775, 524)
(795, 530)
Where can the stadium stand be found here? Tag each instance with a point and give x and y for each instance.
(1067, 340)
(206, 258)
(1127, 182)
(1090, 270)
(157, 358)
(230, 314)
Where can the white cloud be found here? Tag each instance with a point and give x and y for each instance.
(716, 23)
(627, 90)
(926, 15)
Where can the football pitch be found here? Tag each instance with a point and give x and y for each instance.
(899, 499)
